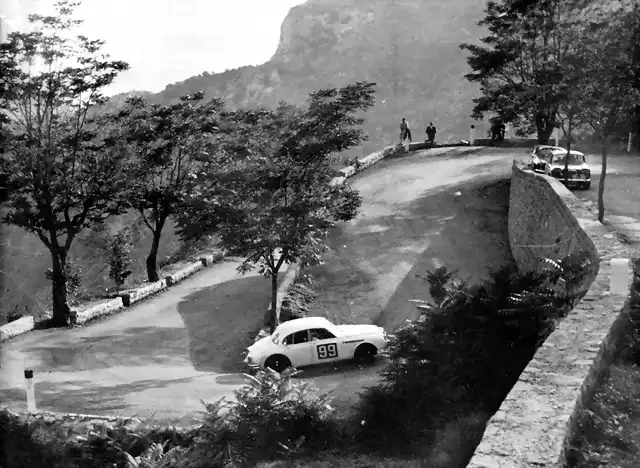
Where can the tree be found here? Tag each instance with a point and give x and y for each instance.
(569, 105)
(118, 250)
(603, 73)
(170, 145)
(63, 174)
(282, 205)
(519, 65)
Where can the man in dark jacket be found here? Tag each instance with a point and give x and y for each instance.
(431, 133)
(405, 131)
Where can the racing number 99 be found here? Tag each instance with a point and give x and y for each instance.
(327, 351)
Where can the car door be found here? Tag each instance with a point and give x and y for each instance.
(326, 346)
(298, 348)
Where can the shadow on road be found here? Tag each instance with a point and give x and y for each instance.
(470, 234)
(222, 321)
(85, 396)
(473, 238)
(133, 347)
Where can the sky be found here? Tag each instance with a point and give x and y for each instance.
(165, 41)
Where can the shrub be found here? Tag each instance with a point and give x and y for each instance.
(75, 290)
(273, 417)
(297, 301)
(19, 447)
(15, 314)
(465, 352)
(118, 251)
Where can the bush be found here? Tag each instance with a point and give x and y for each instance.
(297, 301)
(465, 353)
(75, 291)
(273, 417)
(19, 447)
(118, 251)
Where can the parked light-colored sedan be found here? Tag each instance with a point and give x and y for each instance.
(315, 340)
(551, 160)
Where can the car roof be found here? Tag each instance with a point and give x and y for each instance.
(303, 323)
(559, 149)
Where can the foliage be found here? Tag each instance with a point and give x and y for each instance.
(73, 273)
(601, 76)
(519, 65)
(297, 301)
(462, 356)
(118, 250)
(20, 448)
(274, 416)
(438, 281)
(278, 201)
(64, 174)
(171, 145)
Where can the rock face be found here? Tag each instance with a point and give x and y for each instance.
(408, 47)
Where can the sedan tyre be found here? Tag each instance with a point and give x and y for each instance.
(278, 362)
(365, 352)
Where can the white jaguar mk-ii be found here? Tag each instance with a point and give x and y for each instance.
(315, 340)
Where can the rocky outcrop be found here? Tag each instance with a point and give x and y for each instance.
(408, 47)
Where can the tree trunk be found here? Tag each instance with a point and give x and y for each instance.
(271, 317)
(566, 160)
(545, 127)
(603, 174)
(152, 258)
(61, 310)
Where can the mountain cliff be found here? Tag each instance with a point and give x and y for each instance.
(408, 47)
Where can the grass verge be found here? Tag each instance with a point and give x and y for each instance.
(609, 428)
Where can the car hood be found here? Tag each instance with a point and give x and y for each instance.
(348, 330)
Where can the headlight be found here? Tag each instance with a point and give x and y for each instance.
(586, 172)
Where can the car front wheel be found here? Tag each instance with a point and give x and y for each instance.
(277, 362)
(365, 352)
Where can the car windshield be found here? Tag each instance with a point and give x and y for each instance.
(574, 159)
(275, 337)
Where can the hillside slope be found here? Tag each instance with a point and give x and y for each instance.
(409, 48)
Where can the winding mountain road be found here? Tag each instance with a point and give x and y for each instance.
(158, 359)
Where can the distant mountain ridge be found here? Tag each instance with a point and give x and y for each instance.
(408, 47)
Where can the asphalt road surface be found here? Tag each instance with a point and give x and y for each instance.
(160, 358)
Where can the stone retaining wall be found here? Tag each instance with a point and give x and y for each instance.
(536, 421)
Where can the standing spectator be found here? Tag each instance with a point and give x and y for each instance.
(431, 133)
(405, 131)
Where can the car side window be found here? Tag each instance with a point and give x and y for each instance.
(321, 334)
(298, 337)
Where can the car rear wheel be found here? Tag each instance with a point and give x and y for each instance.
(586, 185)
(277, 362)
(365, 352)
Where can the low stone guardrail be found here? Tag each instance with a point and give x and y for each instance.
(111, 306)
